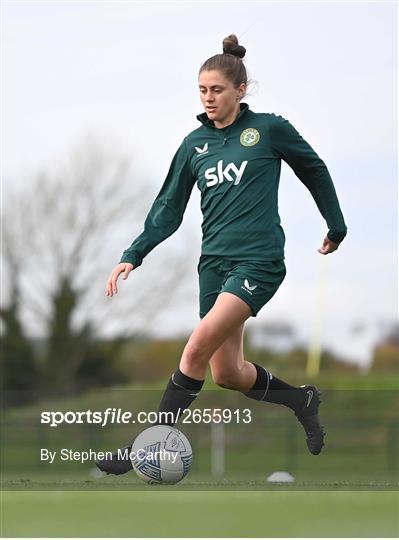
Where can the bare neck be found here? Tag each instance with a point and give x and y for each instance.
(229, 119)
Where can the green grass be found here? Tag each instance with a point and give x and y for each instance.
(199, 484)
(361, 445)
(349, 490)
(200, 514)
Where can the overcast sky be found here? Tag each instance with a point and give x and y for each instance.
(127, 73)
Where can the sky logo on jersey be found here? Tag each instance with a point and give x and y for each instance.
(216, 175)
(202, 150)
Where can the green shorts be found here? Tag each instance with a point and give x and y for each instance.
(253, 282)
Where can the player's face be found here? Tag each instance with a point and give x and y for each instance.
(220, 98)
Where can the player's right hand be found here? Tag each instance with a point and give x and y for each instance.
(121, 268)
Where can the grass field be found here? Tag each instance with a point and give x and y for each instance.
(200, 514)
(73, 481)
(52, 506)
(350, 490)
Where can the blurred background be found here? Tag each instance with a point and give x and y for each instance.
(96, 99)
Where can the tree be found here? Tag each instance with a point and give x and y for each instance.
(61, 237)
(386, 350)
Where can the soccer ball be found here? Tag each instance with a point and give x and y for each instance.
(161, 455)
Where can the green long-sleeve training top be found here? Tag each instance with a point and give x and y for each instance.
(237, 170)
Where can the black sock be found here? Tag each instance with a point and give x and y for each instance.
(179, 394)
(273, 390)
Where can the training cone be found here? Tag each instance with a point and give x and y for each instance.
(280, 476)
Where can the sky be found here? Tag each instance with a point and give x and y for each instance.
(127, 73)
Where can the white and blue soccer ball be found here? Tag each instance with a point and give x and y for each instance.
(161, 455)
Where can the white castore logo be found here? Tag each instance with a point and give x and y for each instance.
(216, 175)
(202, 150)
(247, 287)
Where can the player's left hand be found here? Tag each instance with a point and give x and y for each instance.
(328, 246)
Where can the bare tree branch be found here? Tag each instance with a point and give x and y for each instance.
(68, 224)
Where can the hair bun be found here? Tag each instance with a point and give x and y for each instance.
(231, 46)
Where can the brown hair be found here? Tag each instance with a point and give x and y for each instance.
(229, 63)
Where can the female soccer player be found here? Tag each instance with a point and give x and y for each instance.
(234, 157)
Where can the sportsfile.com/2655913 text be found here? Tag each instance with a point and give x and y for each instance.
(114, 415)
